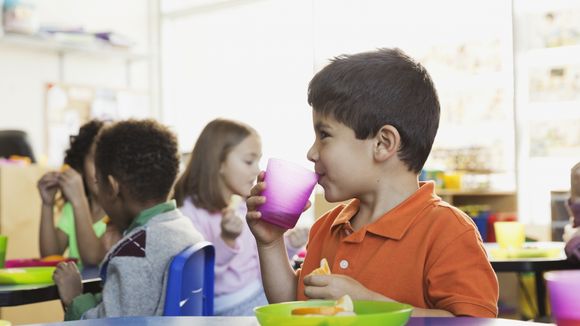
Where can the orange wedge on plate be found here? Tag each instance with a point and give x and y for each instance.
(324, 269)
(323, 311)
(343, 306)
(345, 303)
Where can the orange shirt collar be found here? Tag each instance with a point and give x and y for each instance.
(395, 222)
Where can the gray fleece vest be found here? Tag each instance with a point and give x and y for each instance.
(134, 271)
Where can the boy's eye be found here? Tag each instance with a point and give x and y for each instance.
(323, 134)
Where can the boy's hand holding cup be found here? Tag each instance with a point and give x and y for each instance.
(278, 199)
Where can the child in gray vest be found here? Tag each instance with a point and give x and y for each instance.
(136, 164)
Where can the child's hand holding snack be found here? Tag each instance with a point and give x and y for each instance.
(322, 284)
(48, 187)
(71, 185)
(231, 224)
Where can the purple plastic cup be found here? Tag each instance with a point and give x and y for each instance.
(288, 187)
(564, 291)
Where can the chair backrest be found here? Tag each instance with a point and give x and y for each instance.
(15, 142)
(190, 282)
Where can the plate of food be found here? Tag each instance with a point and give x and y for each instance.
(329, 312)
(26, 275)
(526, 252)
(52, 260)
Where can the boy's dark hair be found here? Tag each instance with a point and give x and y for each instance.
(142, 155)
(200, 179)
(368, 90)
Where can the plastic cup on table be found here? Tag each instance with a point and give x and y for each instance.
(509, 235)
(3, 245)
(564, 293)
(288, 187)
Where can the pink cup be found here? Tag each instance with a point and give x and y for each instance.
(288, 187)
(564, 291)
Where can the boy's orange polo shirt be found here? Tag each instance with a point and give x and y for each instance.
(424, 252)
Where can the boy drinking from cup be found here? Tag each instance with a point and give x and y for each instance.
(375, 117)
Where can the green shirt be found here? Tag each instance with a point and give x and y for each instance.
(66, 223)
(151, 212)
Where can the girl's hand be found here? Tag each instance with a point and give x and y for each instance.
(47, 187)
(298, 236)
(264, 232)
(231, 225)
(332, 287)
(71, 184)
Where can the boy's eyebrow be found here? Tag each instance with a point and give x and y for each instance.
(320, 125)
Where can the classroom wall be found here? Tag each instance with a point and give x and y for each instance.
(24, 71)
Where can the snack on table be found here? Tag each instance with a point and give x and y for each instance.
(53, 258)
(235, 201)
(324, 269)
(343, 307)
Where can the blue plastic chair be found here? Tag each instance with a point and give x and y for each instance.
(190, 282)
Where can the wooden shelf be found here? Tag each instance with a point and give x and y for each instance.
(474, 192)
(48, 45)
(503, 201)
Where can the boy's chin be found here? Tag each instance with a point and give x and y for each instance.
(333, 198)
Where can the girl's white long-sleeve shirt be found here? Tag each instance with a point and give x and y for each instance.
(235, 267)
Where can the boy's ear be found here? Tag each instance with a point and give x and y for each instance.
(387, 142)
(115, 189)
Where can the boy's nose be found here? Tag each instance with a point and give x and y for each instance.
(312, 154)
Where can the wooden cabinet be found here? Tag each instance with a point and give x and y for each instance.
(498, 201)
(19, 220)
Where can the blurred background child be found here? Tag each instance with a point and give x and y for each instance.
(572, 230)
(82, 221)
(222, 170)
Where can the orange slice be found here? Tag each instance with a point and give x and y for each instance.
(323, 311)
(324, 269)
(345, 303)
(53, 258)
(64, 167)
(343, 306)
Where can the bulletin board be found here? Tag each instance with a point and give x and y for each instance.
(67, 107)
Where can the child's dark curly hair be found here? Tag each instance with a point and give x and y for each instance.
(80, 145)
(142, 155)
